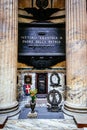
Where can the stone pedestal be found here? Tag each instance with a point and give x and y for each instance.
(32, 115)
(8, 56)
(76, 57)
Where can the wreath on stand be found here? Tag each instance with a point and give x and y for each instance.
(54, 95)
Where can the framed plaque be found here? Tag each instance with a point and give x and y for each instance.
(54, 79)
(28, 79)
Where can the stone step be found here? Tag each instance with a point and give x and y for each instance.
(3, 120)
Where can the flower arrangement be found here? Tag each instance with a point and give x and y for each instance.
(33, 93)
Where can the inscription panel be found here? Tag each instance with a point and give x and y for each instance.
(41, 40)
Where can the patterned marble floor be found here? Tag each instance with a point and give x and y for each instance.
(41, 124)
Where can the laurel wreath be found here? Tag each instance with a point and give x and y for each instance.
(51, 94)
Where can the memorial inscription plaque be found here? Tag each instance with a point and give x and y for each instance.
(42, 41)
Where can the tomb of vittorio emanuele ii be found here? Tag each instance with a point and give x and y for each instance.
(46, 42)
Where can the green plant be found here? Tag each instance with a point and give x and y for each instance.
(33, 93)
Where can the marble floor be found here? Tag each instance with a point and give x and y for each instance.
(40, 124)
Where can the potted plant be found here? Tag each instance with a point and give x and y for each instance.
(33, 99)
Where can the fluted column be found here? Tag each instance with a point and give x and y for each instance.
(76, 56)
(8, 55)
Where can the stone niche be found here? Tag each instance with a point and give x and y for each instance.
(21, 74)
(22, 67)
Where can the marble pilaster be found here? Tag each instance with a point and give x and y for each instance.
(76, 56)
(8, 55)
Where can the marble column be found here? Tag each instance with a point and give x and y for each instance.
(76, 56)
(8, 55)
